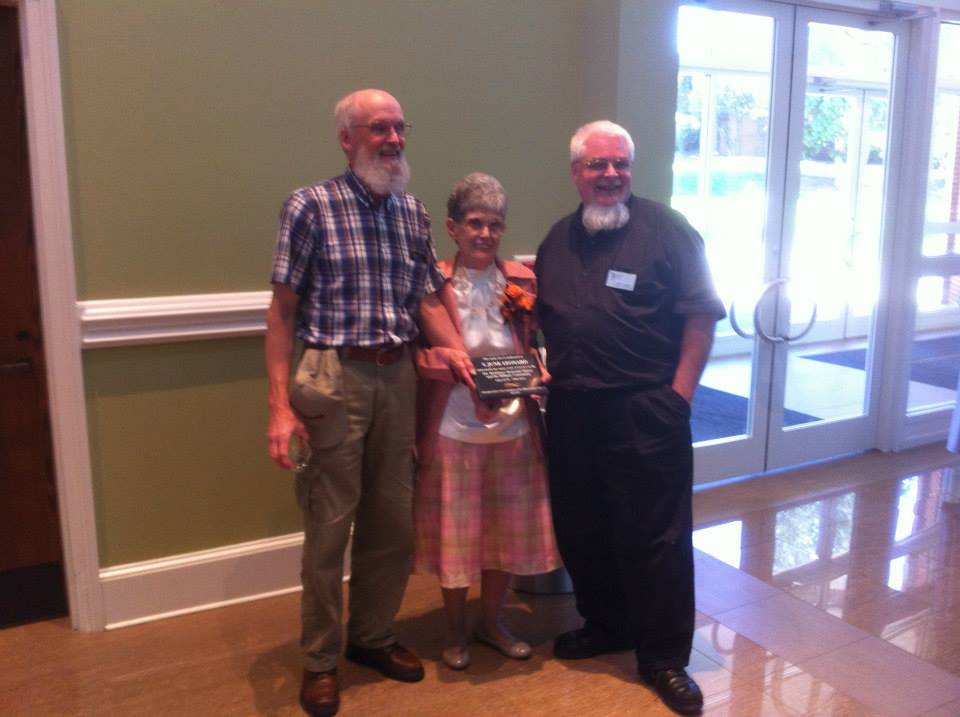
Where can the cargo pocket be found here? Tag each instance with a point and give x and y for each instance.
(317, 397)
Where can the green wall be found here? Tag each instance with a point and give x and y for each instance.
(647, 91)
(189, 121)
(179, 459)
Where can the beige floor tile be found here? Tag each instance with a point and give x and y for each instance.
(789, 627)
(934, 639)
(730, 650)
(747, 704)
(886, 616)
(839, 594)
(799, 690)
(842, 706)
(951, 709)
(946, 591)
(885, 677)
(720, 587)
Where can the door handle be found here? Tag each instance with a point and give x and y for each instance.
(806, 329)
(787, 338)
(732, 314)
(735, 325)
(770, 286)
(756, 318)
(21, 366)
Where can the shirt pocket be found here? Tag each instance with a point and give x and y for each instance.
(648, 295)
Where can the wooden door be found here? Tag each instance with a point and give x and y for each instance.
(31, 572)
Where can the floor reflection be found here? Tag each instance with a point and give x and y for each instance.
(881, 555)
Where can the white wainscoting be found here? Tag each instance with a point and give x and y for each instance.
(205, 579)
(924, 428)
(180, 584)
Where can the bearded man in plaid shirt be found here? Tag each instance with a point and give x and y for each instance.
(354, 273)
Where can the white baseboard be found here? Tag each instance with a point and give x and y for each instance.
(180, 584)
(925, 428)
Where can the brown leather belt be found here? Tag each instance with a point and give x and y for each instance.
(380, 355)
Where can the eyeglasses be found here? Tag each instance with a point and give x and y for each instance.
(383, 129)
(495, 228)
(600, 165)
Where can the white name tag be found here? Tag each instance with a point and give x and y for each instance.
(621, 280)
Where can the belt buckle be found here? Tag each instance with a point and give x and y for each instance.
(381, 352)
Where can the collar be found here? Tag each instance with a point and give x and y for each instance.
(363, 194)
(448, 266)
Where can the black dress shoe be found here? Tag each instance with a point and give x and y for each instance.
(319, 693)
(393, 661)
(676, 688)
(586, 642)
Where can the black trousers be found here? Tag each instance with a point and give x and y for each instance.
(621, 478)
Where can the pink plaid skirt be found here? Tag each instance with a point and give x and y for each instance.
(483, 507)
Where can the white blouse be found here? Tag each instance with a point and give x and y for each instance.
(485, 333)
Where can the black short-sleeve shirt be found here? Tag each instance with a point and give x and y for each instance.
(612, 306)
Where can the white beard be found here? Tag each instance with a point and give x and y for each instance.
(382, 175)
(599, 218)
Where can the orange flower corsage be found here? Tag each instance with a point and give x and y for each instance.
(514, 301)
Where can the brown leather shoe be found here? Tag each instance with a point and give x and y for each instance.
(393, 661)
(319, 693)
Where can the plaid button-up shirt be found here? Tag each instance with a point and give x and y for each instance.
(360, 270)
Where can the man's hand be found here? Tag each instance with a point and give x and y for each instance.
(457, 362)
(694, 351)
(281, 429)
(685, 394)
(279, 346)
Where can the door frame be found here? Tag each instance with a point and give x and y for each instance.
(53, 237)
(718, 459)
(898, 429)
(891, 429)
(791, 446)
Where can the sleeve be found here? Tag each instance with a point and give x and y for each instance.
(430, 366)
(533, 340)
(434, 279)
(695, 290)
(295, 243)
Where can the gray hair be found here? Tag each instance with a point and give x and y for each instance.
(476, 192)
(344, 110)
(581, 136)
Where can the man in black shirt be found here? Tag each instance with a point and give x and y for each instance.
(627, 309)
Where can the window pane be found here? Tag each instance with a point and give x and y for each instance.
(835, 252)
(719, 184)
(936, 348)
(942, 227)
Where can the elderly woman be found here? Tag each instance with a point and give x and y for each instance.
(481, 509)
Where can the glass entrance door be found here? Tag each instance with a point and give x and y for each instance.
(782, 162)
(837, 209)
